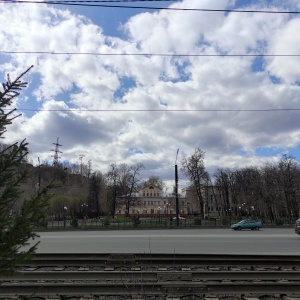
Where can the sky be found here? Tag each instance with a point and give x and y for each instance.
(133, 85)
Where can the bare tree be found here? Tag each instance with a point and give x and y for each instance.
(224, 184)
(124, 183)
(288, 179)
(112, 177)
(193, 167)
(156, 181)
(130, 184)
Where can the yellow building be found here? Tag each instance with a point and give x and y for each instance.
(150, 201)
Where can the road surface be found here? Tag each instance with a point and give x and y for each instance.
(206, 241)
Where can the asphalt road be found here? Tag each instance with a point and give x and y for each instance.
(206, 241)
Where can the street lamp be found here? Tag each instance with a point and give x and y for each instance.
(167, 208)
(253, 212)
(158, 209)
(65, 213)
(84, 207)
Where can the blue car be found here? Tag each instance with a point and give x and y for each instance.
(247, 224)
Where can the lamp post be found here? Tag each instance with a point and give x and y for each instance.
(84, 207)
(158, 209)
(253, 211)
(176, 190)
(65, 213)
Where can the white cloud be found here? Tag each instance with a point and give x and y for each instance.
(109, 117)
(286, 41)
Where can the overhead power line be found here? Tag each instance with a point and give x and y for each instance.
(159, 110)
(85, 3)
(149, 54)
(94, 1)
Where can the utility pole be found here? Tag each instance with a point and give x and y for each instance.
(89, 168)
(39, 178)
(176, 190)
(81, 156)
(56, 151)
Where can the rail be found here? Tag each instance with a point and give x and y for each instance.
(158, 275)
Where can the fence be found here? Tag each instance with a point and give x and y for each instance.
(107, 223)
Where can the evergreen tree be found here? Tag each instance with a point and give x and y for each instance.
(16, 225)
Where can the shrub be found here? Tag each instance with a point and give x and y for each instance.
(197, 221)
(279, 222)
(119, 219)
(107, 221)
(136, 222)
(226, 221)
(74, 223)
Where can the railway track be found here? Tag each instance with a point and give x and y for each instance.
(160, 276)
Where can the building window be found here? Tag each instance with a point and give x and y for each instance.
(157, 194)
(147, 194)
(151, 202)
(148, 203)
(144, 194)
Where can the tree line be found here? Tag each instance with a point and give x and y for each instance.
(270, 191)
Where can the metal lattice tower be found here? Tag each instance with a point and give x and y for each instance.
(56, 153)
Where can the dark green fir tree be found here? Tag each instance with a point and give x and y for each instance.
(17, 236)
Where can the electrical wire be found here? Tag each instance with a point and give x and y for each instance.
(73, 3)
(158, 110)
(148, 54)
(97, 1)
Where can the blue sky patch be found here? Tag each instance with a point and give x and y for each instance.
(112, 18)
(4, 58)
(181, 69)
(26, 99)
(258, 64)
(269, 152)
(275, 79)
(126, 84)
(274, 151)
(135, 150)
